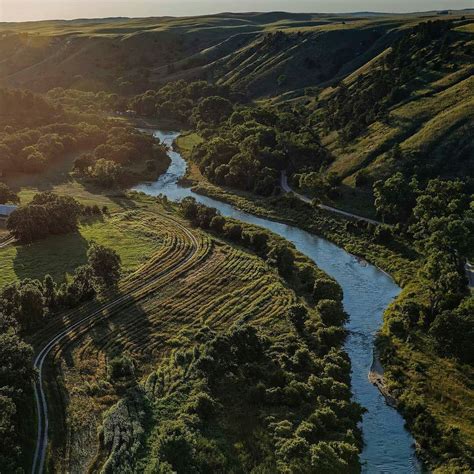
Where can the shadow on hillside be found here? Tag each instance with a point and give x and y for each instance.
(123, 201)
(112, 335)
(92, 219)
(123, 329)
(57, 255)
(56, 172)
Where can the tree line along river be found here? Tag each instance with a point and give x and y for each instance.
(388, 447)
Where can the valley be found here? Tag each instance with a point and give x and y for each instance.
(237, 243)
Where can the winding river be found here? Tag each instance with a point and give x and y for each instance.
(389, 448)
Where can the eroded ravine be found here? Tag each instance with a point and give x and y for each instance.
(389, 448)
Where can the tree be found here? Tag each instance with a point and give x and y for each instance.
(233, 231)
(443, 219)
(105, 264)
(81, 288)
(30, 304)
(395, 198)
(453, 332)
(7, 195)
(213, 110)
(326, 289)
(49, 292)
(331, 312)
(107, 173)
(217, 224)
(283, 257)
(297, 314)
(443, 282)
(259, 241)
(189, 208)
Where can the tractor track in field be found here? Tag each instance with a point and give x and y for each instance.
(84, 324)
(7, 242)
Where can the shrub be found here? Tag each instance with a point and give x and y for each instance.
(326, 289)
(331, 312)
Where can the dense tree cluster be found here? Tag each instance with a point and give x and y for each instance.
(245, 403)
(316, 184)
(47, 214)
(249, 149)
(440, 221)
(30, 150)
(7, 195)
(86, 102)
(395, 198)
(351, 110)
(110, 163)
(175, 100)
(16, 376)
(30, 302)
(23, 106)
(73, 122)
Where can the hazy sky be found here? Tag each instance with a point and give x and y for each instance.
(22, 10)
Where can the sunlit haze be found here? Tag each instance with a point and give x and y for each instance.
(25, 10)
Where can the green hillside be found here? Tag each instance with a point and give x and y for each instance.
(260, 54)
(220, 347)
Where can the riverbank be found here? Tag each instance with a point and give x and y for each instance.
(367, 291)
(376, 377)
(424, 385)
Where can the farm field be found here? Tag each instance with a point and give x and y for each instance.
(218, 288)
(128, 232)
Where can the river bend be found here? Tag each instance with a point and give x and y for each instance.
(388, 447)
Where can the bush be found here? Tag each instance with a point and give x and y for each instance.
(331, 312)
(121, 368)
(233, 232)
(325, 289)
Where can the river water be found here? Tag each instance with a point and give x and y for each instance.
(388, 447)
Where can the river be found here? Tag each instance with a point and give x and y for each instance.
(388, 447)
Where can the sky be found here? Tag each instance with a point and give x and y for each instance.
(25, 10)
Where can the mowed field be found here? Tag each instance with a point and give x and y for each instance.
(191, 280)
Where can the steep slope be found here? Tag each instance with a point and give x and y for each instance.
(261, 54)
(410, 109)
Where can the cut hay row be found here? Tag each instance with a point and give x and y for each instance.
(220, 286)
(176, 245)
(186, 252)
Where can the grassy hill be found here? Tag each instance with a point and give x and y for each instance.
(258, 53)
(428, 124)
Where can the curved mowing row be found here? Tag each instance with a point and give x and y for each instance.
(180, 252)
(226, 286)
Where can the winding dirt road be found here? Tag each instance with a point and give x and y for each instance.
(78, 328)
(286, 188)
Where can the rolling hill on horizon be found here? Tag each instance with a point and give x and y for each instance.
(221, 224)
(133, 55)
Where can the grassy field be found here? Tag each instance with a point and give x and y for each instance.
(221, 286)
(126, 232)
(185, 143)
